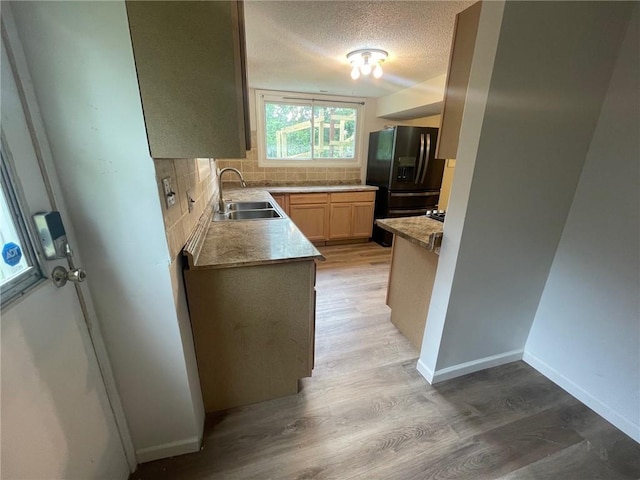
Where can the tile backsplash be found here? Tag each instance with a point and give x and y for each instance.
(255, 175)
(196, 179)
(194, 182)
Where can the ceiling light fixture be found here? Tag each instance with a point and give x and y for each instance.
(365, 61)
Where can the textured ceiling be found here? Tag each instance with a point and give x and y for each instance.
(302, 45)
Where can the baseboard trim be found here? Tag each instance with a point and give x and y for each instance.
(468, 367)
(425, 371)
(188, 445)
(607, 412)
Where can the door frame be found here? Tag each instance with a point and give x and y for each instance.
(22, 76)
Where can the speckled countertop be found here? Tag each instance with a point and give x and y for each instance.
(238, 243)
(421, 230)
(320, 188)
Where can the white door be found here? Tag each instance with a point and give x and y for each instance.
(57, 419)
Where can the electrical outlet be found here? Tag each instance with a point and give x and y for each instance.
(169, 194)
(190, 201)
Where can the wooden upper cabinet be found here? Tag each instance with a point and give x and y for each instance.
(190, 62)
(462, 47)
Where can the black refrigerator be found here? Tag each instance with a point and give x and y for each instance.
(402, 164)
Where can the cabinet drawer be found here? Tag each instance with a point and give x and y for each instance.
(347, 197)
(306, 198)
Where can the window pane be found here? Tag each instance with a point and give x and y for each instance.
(13, 261)
(18, 268)
(334, 134)
(308, 132)
(288, 131)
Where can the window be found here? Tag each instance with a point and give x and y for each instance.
(19, 269)
(297, 130)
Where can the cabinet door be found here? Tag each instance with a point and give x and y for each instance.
(340, 220)
(281, 198)
(312, 220)
(244, 76)
(362, 220)
(462, 47)
(188, 61)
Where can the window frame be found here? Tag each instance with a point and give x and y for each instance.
(22, 283)
(272, 96)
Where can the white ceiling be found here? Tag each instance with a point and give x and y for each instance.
(302, 45)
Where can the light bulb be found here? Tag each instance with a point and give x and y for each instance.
(377, 71)
(365, 68)
(366, 62)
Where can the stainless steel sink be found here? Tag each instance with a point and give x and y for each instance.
(251, 214)
(266, 213)
(233, 206)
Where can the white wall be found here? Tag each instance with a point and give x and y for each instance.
(586, 332)
(519, 163)
(480, 78)
(423, 99)
(81, 62)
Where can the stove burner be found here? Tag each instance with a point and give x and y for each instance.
(436, 215)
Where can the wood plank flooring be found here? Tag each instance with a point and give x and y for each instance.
(366, 413)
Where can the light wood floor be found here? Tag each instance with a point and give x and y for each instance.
(367, 414)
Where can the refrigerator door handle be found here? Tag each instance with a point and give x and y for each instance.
(421, 157)
(424, 172)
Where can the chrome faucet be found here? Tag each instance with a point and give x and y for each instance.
(221, 207)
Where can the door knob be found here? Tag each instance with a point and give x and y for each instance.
(61, 276)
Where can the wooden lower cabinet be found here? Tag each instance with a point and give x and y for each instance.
(352, 215)
(340, 221)
(350, 220)
(362, 220)
(411, 278)
(253, 330)
(338, 217)
(312, 220)
(282, 200)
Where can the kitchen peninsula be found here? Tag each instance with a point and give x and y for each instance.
(251, 291)
(416, 245)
